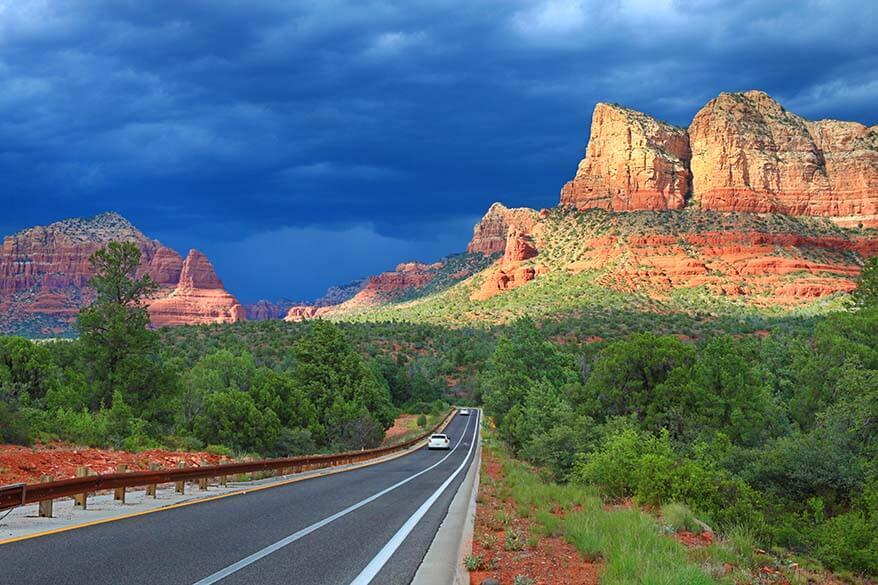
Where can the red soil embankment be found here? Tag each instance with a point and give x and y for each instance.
(28, 464)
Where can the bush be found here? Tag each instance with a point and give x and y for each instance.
(679, 517)
(648, 468)
(220, 450)
(848, 541)
(422, 421)
(13, 428)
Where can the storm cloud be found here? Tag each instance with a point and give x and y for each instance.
(270, 128)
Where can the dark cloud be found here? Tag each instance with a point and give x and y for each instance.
(225, 124)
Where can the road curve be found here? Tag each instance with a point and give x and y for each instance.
(368, 525)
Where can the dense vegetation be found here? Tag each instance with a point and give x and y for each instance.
(124, 385)
(762, 427)
(774, 435)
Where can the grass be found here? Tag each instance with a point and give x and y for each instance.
(679, 517)
(633, 549)
(630, 543)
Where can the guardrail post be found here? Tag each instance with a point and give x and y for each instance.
(81, 499)
(224, 479)
(202, 481)
(46, 505)
(180, 486)
(152, 489)
(119, 494)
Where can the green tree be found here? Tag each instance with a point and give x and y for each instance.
(866, 293)
(328, 369)
(118, 348)
(232, 418)
(631, 377)
(522, 357)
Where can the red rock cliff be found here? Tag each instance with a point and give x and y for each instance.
(750, 154)
(198, 298)
(489, 235)
(44, 270)
(742, 152)
(632, 162)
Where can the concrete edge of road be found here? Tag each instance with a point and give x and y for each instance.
(443, 563)
(22, 524)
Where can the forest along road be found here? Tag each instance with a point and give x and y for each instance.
(368, 525)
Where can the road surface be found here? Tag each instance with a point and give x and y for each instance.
(368, 525)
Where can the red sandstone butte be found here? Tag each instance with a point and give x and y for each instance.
(198, 298)
(632, 162)
(750, 154)
(44, 271)
(742, 152)
(489, 235)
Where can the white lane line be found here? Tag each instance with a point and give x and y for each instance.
(234, 568)
(375, 565)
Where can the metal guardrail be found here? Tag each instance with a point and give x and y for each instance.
(15, 495)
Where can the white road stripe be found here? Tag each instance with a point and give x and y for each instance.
(375, 565)
(234, 568)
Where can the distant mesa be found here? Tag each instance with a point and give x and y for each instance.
(198, 298)
(44, 272)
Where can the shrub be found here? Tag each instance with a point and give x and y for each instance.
(220, 450)
(488, 540)
(13, 428)
(473, 562)
(679, 517)
(514, 540)
(848, 541)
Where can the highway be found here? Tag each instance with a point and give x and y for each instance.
(368, 525)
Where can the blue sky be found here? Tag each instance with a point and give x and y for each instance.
(304, 144)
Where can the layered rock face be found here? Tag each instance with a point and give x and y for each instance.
(489, 235)
(750, 154)
(44, 270)
(632, 162)
(387, 286)
(198, 298)
(56, 256)
(742, 152)
(513, 269)
(267, 310)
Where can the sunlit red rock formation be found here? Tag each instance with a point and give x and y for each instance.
(633, 162)
(503, 277)
(388, 285)
(750, 154)
(519, 246)
(489, 235)
(511, 271)
(729, 264)
(44, 270)
(742, 152)
(198, 298)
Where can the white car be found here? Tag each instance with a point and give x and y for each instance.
(464, 412)
(439, 442)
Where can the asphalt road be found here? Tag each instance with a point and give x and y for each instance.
(372, 524)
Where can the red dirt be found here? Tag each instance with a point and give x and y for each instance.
(552, 561)
(28, 464)
(403, 424)
(693, 540)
